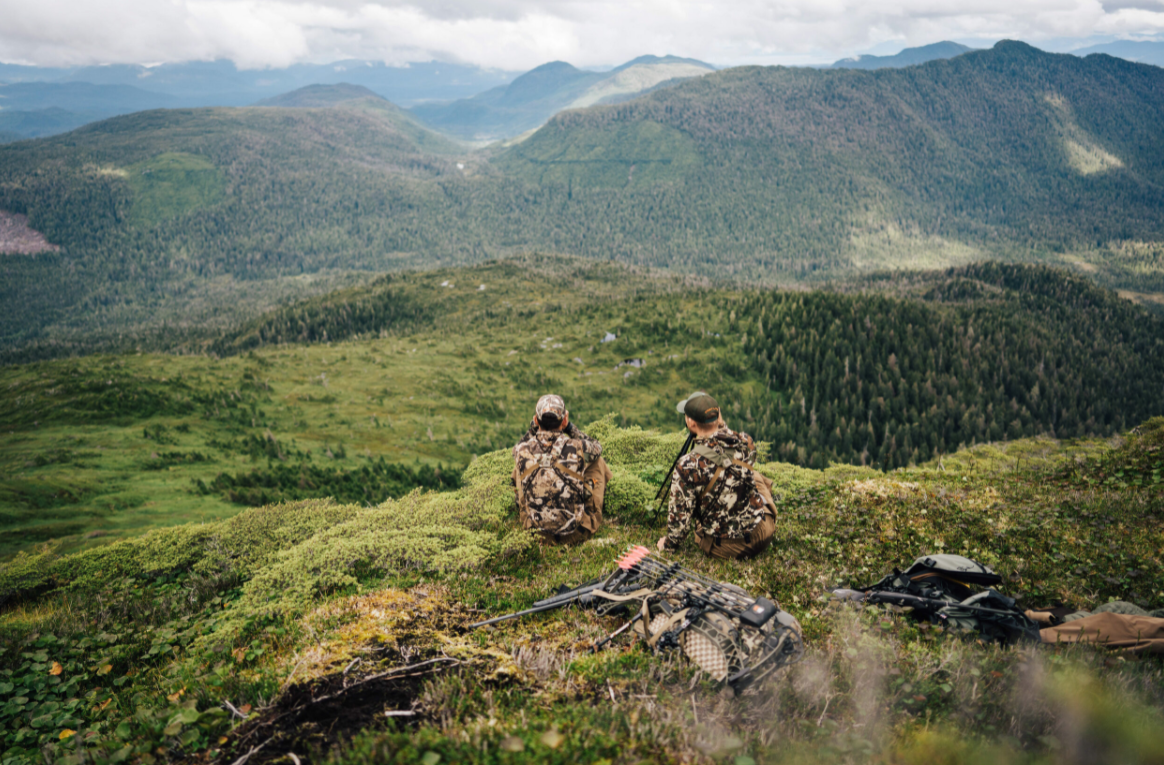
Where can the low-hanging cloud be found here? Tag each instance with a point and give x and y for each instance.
(520, 34)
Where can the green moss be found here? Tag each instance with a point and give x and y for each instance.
(422, 532)
(629, 497)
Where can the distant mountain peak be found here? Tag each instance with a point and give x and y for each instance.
(550, 66)
(509, 110)
(321, 96)
(1018, 47)
(668, 59)
(908, 57)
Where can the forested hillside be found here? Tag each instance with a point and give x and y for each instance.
(799, 172)
(370, 391)
(912, 367)
(176, 585)
(191, 220)
(176, 224)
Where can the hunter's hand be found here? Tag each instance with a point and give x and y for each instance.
(662, 543)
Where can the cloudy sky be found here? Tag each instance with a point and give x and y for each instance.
(520, 34)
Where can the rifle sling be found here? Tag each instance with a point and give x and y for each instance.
(555, 465)
(719, 471)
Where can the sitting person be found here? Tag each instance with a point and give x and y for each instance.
(559, 475)
(717, 490)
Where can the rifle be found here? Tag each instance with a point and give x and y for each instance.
(1013, 625)
(618, 582)
(665, 486)
(638, 571)
(930, 605)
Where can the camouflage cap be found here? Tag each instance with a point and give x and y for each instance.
(700, 407)
(552, 405)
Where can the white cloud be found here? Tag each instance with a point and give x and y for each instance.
(519, 34)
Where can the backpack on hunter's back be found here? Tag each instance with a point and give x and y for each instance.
(743, 482)
(549, 483)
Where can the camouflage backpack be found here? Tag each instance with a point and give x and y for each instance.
(731, 476)
(549, 483)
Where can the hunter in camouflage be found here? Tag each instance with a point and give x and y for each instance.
(559, 475)
(716, 489)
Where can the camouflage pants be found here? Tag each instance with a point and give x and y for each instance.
(752, 543)
(594, 477)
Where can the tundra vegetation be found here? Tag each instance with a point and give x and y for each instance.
(276, 551)
(294, 629)
(371, 392)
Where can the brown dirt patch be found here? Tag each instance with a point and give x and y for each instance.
(17, 238)
(376, 653)
(309, 718)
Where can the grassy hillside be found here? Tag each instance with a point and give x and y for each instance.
(763, 175)
(270, 634)
(373, 391)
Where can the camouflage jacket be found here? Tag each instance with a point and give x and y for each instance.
(553, 496)
(732, 507)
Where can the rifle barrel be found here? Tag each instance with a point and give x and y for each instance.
(527, 612)
(566, 597)
(905, 600)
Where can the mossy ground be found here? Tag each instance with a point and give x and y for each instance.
(103, 448)
(279, 607)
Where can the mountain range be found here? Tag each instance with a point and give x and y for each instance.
(1140, 51)
(466, 102)
(531, 99)
(37, 101)
(221, 83)
(907, 57)
(171, 222)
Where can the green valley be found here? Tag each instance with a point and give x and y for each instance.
(370, 392)
(177, 224)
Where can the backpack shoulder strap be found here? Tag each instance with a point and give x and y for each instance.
(722, 463)
(549, 460)
(556, 460)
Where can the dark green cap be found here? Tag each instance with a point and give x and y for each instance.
(700, 407)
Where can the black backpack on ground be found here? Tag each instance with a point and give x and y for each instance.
(952, 587)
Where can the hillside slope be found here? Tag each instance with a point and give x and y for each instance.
(369, 392)
(799, 171)
(191, 219)
(343, 630)
(173, 221)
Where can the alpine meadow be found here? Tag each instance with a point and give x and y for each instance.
(264, 368)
